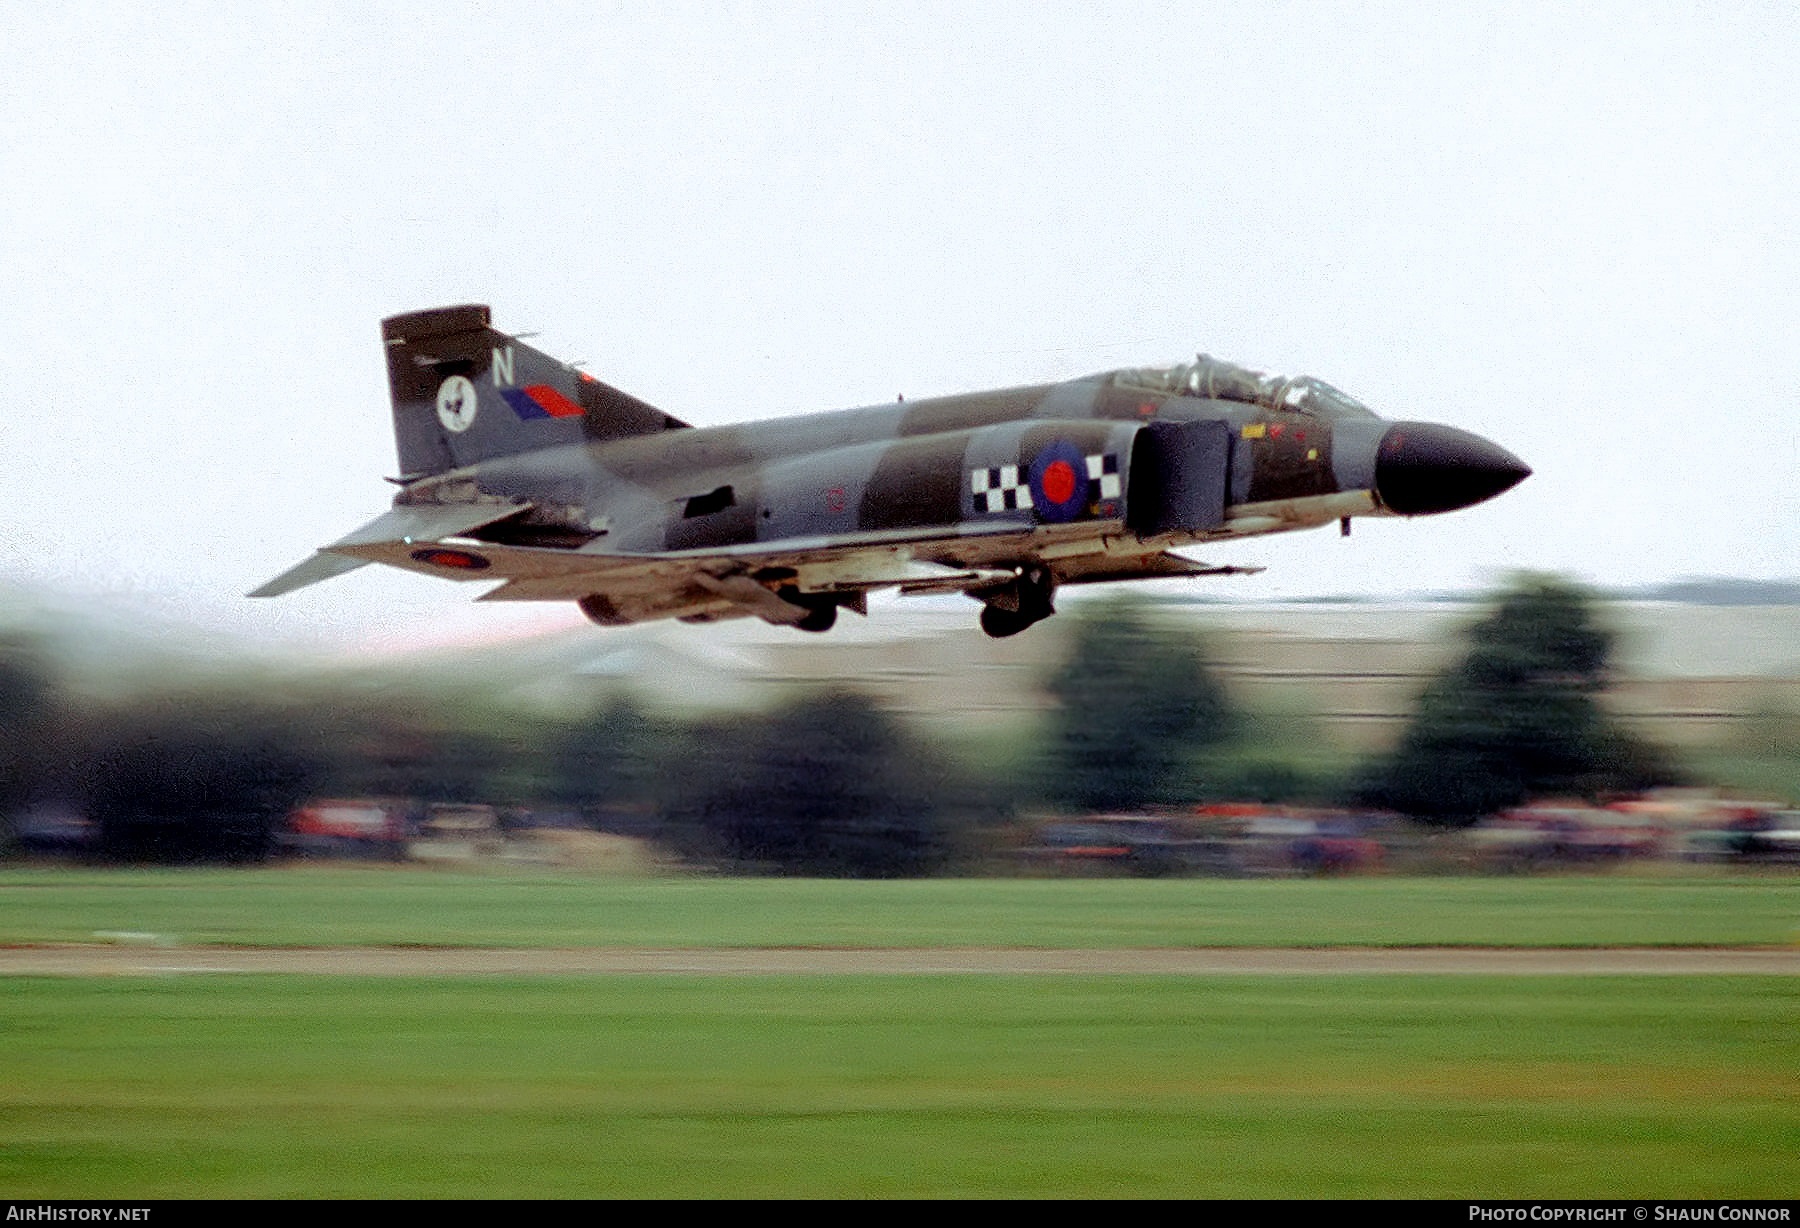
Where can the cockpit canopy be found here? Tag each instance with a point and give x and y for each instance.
(1211, 379)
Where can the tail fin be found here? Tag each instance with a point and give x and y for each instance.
(464, 392)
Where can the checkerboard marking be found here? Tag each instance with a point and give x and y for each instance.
(1103, 477)
(999, 489)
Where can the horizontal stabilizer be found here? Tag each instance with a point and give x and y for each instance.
(427, 522)
(320, 566)
(424, 523)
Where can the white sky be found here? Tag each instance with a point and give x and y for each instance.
(1572, 228)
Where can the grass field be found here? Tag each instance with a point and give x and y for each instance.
(1048, 1086)
(892, 1086)
(333, 907)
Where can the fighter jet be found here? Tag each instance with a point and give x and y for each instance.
(518, 468)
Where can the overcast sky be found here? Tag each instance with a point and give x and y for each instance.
(1571, 228)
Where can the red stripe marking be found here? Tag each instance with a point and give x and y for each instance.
(553, 402)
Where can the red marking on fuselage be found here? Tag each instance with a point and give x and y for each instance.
(1059, 481)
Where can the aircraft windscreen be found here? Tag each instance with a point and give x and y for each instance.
(1214, 380)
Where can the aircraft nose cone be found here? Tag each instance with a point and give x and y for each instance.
(1422, 467)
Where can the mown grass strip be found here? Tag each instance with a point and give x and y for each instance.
(396, 907)
(877, 1086)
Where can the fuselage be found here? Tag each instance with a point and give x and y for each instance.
(1291, 462)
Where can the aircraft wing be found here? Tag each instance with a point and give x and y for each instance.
(735, 581)
(705, 584)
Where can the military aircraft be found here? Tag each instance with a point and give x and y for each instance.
(519, 468)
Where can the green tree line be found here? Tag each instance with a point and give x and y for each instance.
(827, 784)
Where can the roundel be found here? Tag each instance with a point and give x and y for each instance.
(456, 403)
(461, 560)
(1059, 481)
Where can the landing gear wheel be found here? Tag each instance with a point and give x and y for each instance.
(1020, 603)
(999, 623)
(821, 609)
(819, 618)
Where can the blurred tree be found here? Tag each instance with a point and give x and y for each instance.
(605, 765)
(1276, 756)
(1517, 717)
(1134, 700)
(830, 785)
(369, 736)
(399, 737)
(27, 702)
(194, 776)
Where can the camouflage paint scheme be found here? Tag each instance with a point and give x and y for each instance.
(521, 469)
